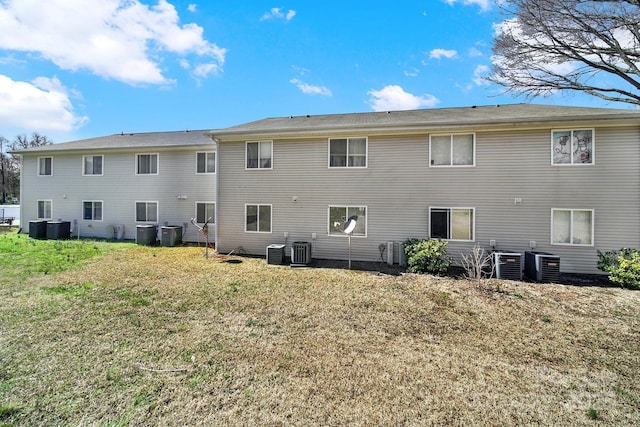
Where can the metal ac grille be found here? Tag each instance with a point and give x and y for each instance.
(550, 269)
(300, 253)
(508, 266)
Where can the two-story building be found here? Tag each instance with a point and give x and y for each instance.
(107, 186)
(563, 180)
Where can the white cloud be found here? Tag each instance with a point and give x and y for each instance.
(475, 52)
(483, 4)
(479, 73)
(442, 53)
(411, 72)
(278, 13)
(308, 89)
(116, 39)
(393, 97)
(42, 105)
(192, 7)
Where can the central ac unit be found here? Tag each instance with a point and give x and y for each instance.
(542, 267)
(508, 265)
(300, 253)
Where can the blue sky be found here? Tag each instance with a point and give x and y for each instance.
(74, 69)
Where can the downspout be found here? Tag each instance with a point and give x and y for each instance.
(215, 213)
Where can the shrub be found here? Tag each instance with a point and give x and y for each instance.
(427, 256)
(622, 265)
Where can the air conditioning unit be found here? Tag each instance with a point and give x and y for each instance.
(508, 265)
(300, 253)
(542, 267)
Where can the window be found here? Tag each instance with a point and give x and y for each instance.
(92, 211)
(147, 211)
(45, 166)
(572, 147)
(338, 215)
(572, 227)
(452, 223)
(92, 165)
(44, 209)
(348, 153)
(146, 164)
(452, 150)
(259, 154)
(258, 218)
(206, 162)
(204, 211)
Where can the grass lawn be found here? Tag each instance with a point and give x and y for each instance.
(115, 334)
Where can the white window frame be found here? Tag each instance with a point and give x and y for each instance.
(258, 205)
(84, 164)
(206, 162)
(50, 208)
(571, 147)
(93, 202)
(246, 155)
(347, 207)
(40, 159)
(213, 217)
(571, 237)
(451, 136)
(450, 222)
(346, 166)
(146, 202)
(138, 155)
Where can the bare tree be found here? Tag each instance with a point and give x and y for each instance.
(545, 46)
(10, 165)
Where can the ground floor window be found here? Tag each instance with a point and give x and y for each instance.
(205, 211)
(258, 218)
(572, 227)
(338, 215)
(44, 209)
(92, 210)
(147, 211)
(452, 223)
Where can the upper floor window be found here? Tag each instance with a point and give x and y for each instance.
(45, 209)
(452, 223)
(205, 211)
(258, 218)
(348, 153)
(92, 165)
(146, 164)
(572, 227)
(452, 150)
(45, 166)
(92, 210)
(259, 154)
(206, 162)
(338, 216)
(572, 147)
(147, 211)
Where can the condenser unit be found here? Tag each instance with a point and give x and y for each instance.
(508, 265)
(542, 267)
(300, 253)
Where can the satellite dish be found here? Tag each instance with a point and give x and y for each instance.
(350, 224)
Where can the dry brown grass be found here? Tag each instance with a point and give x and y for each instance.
(163, 336)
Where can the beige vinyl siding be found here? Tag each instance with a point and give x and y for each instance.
(398, 187)
(118, 188)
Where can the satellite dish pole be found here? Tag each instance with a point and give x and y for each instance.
(349, 226)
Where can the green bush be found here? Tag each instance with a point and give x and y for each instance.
(427, 256)
(623, 266)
